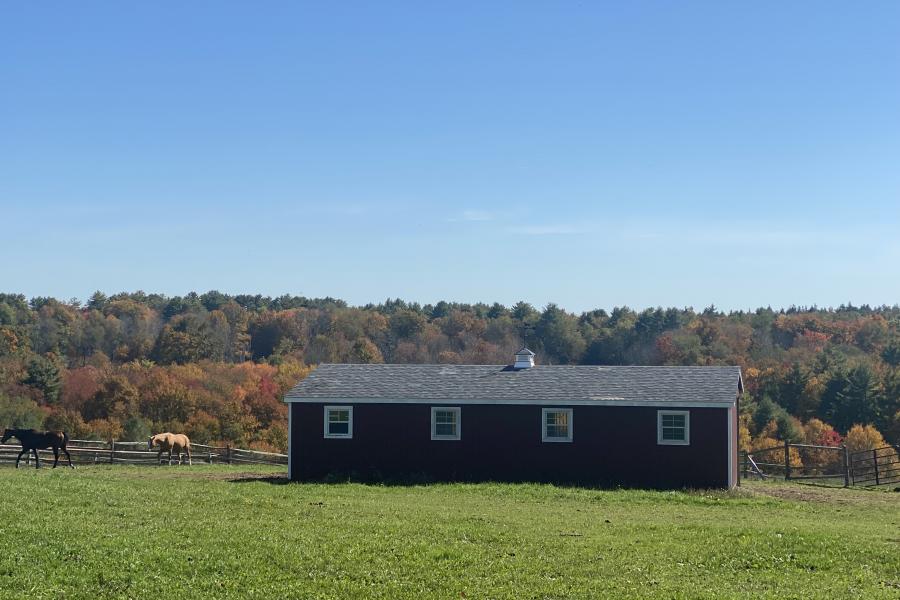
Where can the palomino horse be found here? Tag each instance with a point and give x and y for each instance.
(177, 442)
(33, 441)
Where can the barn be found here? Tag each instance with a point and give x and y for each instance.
(646, 426)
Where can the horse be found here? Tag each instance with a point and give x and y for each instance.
(33, 441)
(169, 442)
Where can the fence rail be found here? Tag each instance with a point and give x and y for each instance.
(135, 453)
(880, 466)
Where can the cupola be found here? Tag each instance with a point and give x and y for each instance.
(524, 359)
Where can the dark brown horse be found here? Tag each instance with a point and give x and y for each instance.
(33, 441)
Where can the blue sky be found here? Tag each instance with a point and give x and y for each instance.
(590, 154)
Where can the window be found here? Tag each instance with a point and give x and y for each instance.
(339, 421)
(445, 423)
(673, 427)
(556, 425)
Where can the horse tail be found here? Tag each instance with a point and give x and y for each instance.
(65, 441)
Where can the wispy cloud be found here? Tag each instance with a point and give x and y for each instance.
(506, 223)
(745, 234)
(345, 209)
(351, 210)
(473, 215)
(326, 208)
(561, 229)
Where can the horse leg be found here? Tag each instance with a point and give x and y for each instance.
(188, 449)
(68, 456)
(37, 459)
(159, 456)
(170, 457)
(55, 456)
(19, 457)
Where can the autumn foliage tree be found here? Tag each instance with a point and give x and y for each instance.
(864, 437)
(217, 365)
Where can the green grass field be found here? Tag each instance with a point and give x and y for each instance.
(220, 532)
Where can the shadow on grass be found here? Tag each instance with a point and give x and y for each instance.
(423, 481)
(376, 479)
(283, 480)
(271, 479)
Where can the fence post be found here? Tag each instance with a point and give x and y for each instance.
(875, 462)
(845, 455)
(209, 456)
(228, 453)
(112, 451)
(787, 460)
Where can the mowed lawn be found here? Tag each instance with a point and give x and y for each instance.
(221, 532)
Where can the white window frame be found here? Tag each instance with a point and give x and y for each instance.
(339, 436)
(453, 409)
(687, 428)
(571, 433)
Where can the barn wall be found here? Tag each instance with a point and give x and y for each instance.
(735, 462)
(612, 446)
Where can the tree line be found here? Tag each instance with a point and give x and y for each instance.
(216, 365)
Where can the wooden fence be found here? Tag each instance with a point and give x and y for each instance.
(86, 452)
(808, 461)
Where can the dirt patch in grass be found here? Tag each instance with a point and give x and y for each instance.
(798, 492)
(196, 472)
(236, 476)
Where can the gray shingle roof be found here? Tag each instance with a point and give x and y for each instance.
(491, 383)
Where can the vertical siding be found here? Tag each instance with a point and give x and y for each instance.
(735, 463)
(612, 446)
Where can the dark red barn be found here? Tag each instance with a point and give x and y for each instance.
(660, 427)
